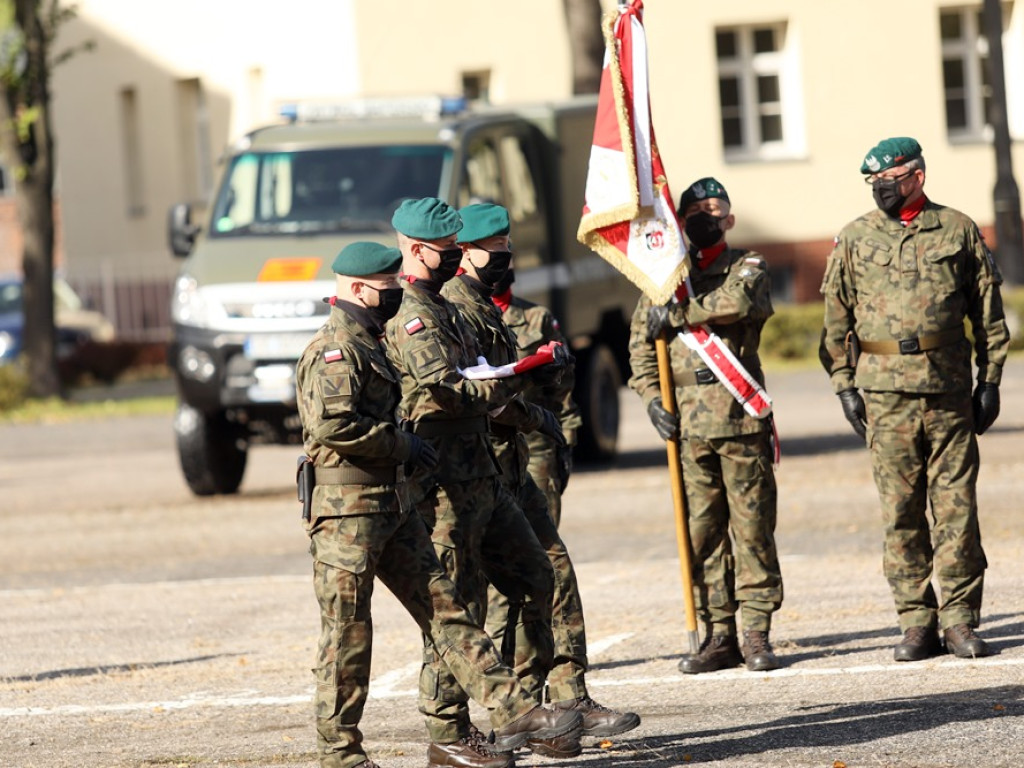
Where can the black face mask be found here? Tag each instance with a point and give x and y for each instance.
(388, 302)
(495, 268)
(451, 258)
(887, 196)
(704, 229)
(505, 282)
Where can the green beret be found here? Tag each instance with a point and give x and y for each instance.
(427, 218)
(699, 190)
(889, 153)
(482, 220)
(366, 258)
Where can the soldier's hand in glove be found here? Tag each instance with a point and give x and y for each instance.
(666, 424)
(552, 428)
(853, 410)
(422, 454)
(546, 375)
(986, 406)
(563, 456)
(659, 319)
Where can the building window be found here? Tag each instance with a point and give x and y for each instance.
(134, 191)
(757, 92)
(966, 79)
(476, 86)
(194, 133)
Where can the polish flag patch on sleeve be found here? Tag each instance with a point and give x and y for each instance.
(332, 355)
(414, 326)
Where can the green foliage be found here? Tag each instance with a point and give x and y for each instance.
(793, 332)
(13, 386)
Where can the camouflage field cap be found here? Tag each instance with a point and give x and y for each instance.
(427, 218)
(366, 258)
(701, 189)
(482, 220)
(889, 153)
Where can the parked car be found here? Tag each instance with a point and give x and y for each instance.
(75, 323)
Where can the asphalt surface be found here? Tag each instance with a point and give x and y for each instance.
(142, 627)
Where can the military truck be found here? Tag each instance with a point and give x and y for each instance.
(249, 293)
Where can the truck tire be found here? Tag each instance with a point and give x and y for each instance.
(597, 394)
(210, 449)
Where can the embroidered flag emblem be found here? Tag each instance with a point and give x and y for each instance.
(332, 355)
(414, 326)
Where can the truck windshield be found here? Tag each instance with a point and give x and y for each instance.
(344, 189)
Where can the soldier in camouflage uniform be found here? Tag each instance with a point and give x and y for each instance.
(533, 325)
(728, 478)
(471, 517)
(361, 524)
(899, 284)
(484, 238)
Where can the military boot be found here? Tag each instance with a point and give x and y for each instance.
(716, 652)
(918, 643)
(964, 643)
(757, 651)
(537, 724)
(599, 720)
(468, 752)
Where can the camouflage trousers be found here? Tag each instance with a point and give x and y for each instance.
(729, 485)
(923, 449)
(566, 680)
(396, 548)
(543, 468)
(480, 536)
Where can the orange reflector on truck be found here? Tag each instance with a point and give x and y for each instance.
(283, 270)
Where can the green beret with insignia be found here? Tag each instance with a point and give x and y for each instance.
(482, 220)
(427, 218)
(700, 190)
(366, 258)
(890, 153)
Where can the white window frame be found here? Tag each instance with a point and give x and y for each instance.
(972, 49)
(747, 66)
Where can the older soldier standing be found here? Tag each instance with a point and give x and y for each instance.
(533, 325)
(899, 284)
(470, 516)
(361, 525)
(486, 256)
(726, 454)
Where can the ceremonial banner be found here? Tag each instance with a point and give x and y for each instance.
(628, 217)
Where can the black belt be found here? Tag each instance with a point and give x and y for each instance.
(505, 431)
(466, 426)
(350, 475)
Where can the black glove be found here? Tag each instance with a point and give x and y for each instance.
(666, 424)
(546, 375)
(986, 406)
(657, 321)
(563, 456)
(853, 410)
(562, 357)
(552, 428)
(422, 454)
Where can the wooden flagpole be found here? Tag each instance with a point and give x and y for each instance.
(675, 469)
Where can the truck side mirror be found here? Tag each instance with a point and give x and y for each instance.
(181, 232)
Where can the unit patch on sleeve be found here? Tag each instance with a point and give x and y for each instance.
(414, 326)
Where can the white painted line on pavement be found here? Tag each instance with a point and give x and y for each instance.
(602, 645)
(246, 700)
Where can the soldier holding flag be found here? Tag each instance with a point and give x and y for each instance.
(726, 452)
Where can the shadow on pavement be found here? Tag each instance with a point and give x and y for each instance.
(109, 669)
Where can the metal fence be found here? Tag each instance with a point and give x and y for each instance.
(140, 309)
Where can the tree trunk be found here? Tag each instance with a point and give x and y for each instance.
(28, 149)
(586, 44)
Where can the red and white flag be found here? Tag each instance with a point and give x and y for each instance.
(545, 354)
(628, 216)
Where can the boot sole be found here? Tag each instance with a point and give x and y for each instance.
(614, 730)
(512, 743)
(545, 751)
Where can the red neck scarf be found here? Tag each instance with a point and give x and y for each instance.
(909, 212)
(703, 261)
(503, 299)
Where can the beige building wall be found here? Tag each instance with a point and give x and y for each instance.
(142, 119)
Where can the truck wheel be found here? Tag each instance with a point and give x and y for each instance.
(597, 394)
(210, 449)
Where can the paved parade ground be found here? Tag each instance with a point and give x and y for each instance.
(142, 627)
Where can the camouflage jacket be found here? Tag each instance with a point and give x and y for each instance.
(888, 282)
(496, 343)
(347, 392)
(732, 296)
(427, 341)
(533, 325)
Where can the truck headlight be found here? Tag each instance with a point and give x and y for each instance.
(188, 305)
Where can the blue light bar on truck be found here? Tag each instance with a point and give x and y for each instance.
(428, 107)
